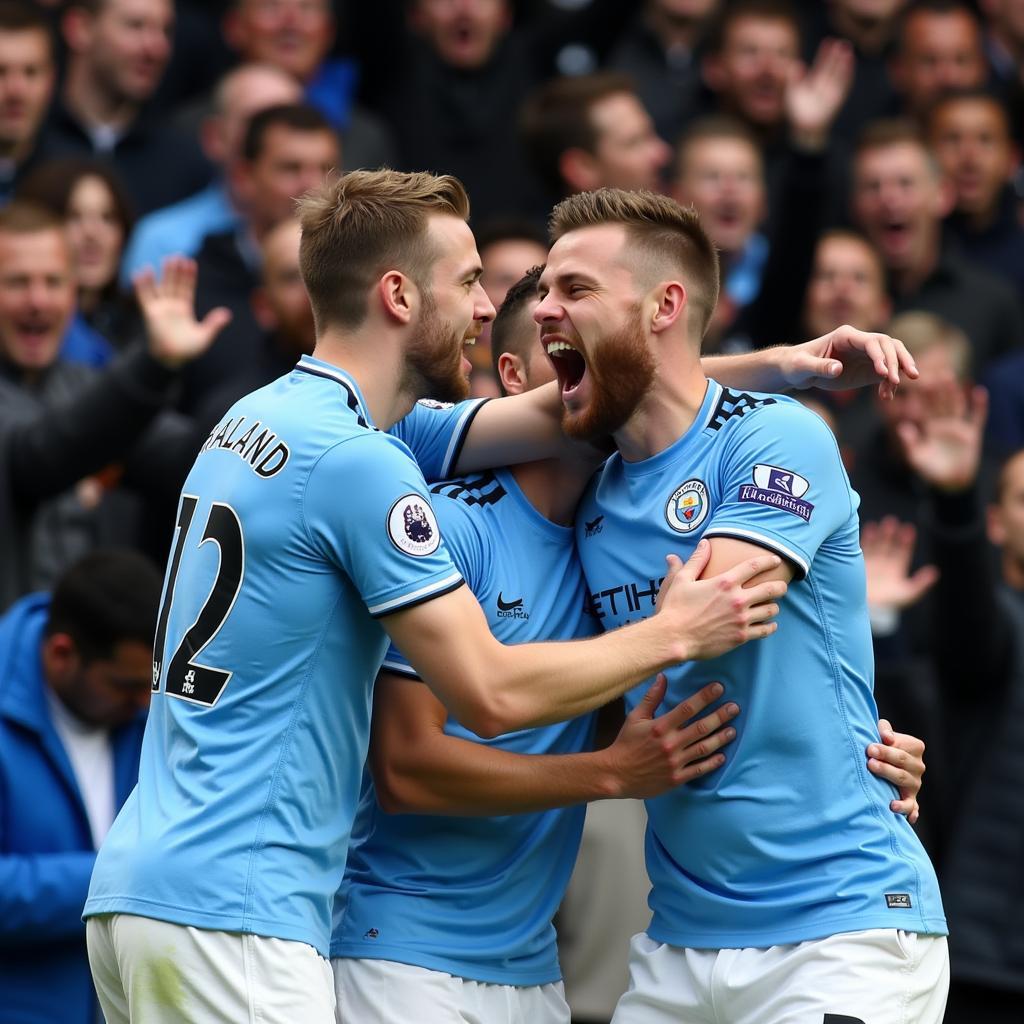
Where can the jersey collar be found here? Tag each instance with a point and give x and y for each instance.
(354, 397)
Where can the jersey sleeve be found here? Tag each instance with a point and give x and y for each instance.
(783, 484)
(471, 551)
(367, 509)
(435, 433)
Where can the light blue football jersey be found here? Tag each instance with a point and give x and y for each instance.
(474, 896)
(792, 839)
(300, 525)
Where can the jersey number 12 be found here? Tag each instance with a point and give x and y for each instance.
(185, 677)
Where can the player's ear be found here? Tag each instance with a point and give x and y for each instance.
(399, 296)
(669, 303)
(512, 373)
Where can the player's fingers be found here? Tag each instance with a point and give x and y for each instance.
(890, 365)
(698, 739)
(703, 749)
(651, 699)
(907, 782)
(696, 769)
(693, 705)
(767, 592)
(762, 613)
(908, 808)
(904, 360)
(695, 564)
(745, 571)
(886, 731)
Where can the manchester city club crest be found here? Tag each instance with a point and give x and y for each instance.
(688, 506)
(412, 527)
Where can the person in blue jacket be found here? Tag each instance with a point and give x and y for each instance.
(75, 675)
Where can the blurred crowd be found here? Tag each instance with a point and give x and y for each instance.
(855, 161)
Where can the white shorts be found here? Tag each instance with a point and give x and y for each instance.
(385, 992)
(155, 972)
(882, 976)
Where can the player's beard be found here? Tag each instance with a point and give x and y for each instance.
(621, 370)
(433, 360)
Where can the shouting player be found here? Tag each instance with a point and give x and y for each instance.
(783, 889)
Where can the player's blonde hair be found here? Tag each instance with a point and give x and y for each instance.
(357, 227)
(664, 236)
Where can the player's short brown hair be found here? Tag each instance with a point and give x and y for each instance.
(357, 227)
(507, 334)
(664, 235)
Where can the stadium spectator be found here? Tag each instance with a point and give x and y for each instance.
(179, 229)
(286, 151)
(75, 676)
(27, 77)
(591, 131)
(89, 197)
(452, 84)
(871, 27)
(1004, 47)
(719, 170)
(754, 71)
(660, 52)
(37, 295)
(282, 310)
(900, 198)
(940, 50)
(970, 136)
(117, 52)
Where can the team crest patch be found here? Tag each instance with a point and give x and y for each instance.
(688, 506)
(412, 526)
(778, 488)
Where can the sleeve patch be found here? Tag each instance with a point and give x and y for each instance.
(412, 526)
(778, 488)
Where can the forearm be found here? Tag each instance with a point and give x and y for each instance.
(752, 371)
(42, 896)
(518, 428)
(454, 776)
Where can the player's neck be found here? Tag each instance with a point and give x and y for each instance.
(376, 366)
(554, 486)
(665, 413)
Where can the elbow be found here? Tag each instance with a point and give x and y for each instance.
(394, 794)
(493, 715)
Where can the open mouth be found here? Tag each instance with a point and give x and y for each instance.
(569, 364)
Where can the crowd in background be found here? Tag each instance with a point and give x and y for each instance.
(855, 161)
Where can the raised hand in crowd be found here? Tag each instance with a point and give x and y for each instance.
(944, 444)
(815, 95)
(174, 335)
(888, 549)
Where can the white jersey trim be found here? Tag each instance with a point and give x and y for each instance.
(768, 542)
(447, 583)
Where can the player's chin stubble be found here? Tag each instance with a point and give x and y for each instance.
(621, 369)
(433, 360)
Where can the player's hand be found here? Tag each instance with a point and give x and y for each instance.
(888, 548)
(848, 358)
(815, 95)
(174, 335)
(715, 615)
(944, 447)
(899, 759)
(651, 755)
